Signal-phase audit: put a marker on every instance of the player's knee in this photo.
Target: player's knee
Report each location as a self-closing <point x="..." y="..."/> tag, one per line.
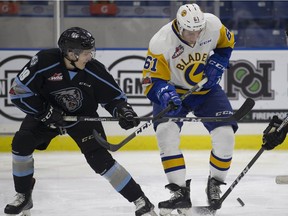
<point x="223" y="141"/>
<point x="23" y="143"/>
<point x="168" y="137"/>
<point x="100" y="160"/>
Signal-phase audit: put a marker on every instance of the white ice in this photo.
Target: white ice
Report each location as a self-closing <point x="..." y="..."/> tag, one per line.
<point x="66" y="185"/>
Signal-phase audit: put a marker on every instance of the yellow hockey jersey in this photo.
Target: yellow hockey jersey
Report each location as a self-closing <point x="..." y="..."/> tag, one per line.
<point x="172" y="59"/>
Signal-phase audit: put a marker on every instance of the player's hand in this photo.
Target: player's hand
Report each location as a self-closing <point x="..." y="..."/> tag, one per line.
<point x="128" y="117"/>
<point x="214" y="69"/>
<point x="170" y="97"/>
<point x="271" y="137"/>
<point x="52" y="116"/>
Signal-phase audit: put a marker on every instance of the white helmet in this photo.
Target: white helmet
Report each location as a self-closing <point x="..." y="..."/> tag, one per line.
<point x="190" y="17"/>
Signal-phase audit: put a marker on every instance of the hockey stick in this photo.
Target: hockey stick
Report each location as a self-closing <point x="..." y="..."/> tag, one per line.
<point x="163" y="119"/>
<point x="209" y="210"/>
<point x="238" y="115"/>
<point x="115" y="147"/>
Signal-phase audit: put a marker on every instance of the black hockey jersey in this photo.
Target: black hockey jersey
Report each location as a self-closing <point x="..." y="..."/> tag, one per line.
<point x="45" y="80"/>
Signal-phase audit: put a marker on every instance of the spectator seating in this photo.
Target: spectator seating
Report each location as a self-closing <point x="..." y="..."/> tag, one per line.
<point x="252" y="14"/>
<point x="280" y="14"/>
<point x="226" y="13"/>
<point x="158" y="3"/>
<point x="239" y="38"/>
<point x="261" y="38"/>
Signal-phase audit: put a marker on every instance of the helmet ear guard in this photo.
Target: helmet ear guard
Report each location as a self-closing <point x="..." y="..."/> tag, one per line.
<point x="191" y="18"/>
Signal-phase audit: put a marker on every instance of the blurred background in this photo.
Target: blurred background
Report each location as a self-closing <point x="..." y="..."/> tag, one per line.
<point x="118" y="24"/>
<point x="258" y="66"/>
<point x="122" y="29"/>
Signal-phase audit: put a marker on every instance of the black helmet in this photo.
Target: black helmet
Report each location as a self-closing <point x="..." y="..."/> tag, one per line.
<point x="76" y="38"/>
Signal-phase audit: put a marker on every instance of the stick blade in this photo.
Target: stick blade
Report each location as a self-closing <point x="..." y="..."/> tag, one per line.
<point x="244" y="109"/>
<point x="101" y="140"/>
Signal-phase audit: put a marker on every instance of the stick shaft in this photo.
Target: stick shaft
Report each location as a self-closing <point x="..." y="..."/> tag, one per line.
<point x="241" y="175"/>
<point x="115" y="147"/>
<point x="283" y="124"/>
<point x="238" y="115"/>
<point x="173" y="119"/>
<point x="250" y="164"/>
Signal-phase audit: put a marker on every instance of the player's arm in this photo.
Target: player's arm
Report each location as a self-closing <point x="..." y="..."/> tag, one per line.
<point x="156" y="76"/>
<point x="219" y="61"/>
<point x="25" y="94"/>
<point x="113" y="99"/>
<point x="24" y="91"/>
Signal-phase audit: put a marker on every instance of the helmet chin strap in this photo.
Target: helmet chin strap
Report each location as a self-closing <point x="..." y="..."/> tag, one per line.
<point x="72" y="62"/>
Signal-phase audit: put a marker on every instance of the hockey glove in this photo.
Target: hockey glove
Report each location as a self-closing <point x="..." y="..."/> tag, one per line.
<point x="214" y="69"/>
<point x="272" y="138"/>
<point x="168" y="95"/>
<point x="128" y="118"/>
<point x="52" y="116"/>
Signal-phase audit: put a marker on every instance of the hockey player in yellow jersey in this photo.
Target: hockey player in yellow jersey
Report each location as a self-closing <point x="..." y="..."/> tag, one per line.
<point x="192" y="46"/>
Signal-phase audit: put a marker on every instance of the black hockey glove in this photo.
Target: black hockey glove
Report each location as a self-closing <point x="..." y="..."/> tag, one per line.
<point x="272" y="138"/>
<point x="52" y="117"/>
<point x="127" y="116"/>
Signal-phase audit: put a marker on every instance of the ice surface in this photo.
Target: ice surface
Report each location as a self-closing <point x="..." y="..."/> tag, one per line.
<point x="66" y="185"/>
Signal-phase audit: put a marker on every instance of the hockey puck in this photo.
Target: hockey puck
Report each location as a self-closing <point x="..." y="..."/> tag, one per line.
<point x="281" y="179"/>
<point x="240" y="201"/>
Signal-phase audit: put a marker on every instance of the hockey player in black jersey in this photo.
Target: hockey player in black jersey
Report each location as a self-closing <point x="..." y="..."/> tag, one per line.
<point x="68" y="81"/>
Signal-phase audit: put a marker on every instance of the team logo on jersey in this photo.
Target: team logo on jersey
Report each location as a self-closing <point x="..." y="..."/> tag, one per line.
<point x="178" y="51"/>
<point x="34" y="60"/>
<point x="56" y="77"/>
<point x="70" y="98"/>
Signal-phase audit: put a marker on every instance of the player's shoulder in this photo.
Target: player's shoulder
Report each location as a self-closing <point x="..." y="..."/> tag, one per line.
<point x="213" y="23"/>
<point x="95" y="64"/>
<point x="159" y="43"/>
<point x="96" y="67"/>
<point x="46" y="58"/>
<point x="54" y="53"/>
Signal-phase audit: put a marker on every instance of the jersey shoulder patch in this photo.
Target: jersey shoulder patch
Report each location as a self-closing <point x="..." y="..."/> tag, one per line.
<point x="46" y="58"/>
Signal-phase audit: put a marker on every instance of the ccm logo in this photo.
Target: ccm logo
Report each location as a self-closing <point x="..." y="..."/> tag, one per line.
<point x="224" y="113"/>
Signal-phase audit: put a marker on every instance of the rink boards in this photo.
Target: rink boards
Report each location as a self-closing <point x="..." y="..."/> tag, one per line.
<point x="196" y="142"/>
